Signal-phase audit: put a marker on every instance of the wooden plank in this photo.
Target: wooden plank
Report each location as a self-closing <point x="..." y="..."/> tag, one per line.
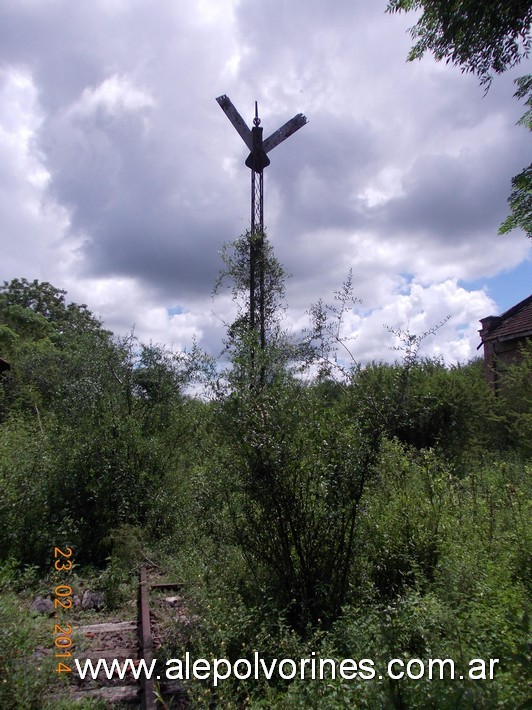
<point x="109" y="628"/>
<point x="236" y="119"/>
<point x="116" y="694"/>
<point x="108" y="654"/>
<point x="281" y="134"/>
<point x="149" y="699"/>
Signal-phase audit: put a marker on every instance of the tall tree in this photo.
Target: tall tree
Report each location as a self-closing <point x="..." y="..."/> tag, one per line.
<point x="480" y="37"/>
<point x="37" y="309"/>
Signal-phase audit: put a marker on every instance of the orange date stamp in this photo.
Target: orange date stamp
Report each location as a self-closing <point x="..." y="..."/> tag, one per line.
<point x="63" y="600"/>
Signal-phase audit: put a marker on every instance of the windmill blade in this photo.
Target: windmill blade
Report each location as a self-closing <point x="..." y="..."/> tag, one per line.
<point x="236" y="119"/>
<point x="291" y="126"/>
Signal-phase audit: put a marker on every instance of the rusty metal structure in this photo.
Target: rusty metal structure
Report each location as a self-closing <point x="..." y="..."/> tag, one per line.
<point x="137" y="640"/>
<point x="149" y="699"/>
<point x="256" y="161"/>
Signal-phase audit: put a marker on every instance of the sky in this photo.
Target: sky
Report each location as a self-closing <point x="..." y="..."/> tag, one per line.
<point x="121" y="178"/>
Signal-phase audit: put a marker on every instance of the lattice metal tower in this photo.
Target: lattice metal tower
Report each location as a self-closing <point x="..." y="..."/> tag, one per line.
<point x="256" y="162"/>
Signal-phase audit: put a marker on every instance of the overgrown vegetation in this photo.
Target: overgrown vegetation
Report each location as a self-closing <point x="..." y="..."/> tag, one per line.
<point x="313" y="506"/>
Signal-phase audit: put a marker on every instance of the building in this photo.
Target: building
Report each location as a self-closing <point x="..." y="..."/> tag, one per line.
<point x="4" y="365"/>
<point x="502" y="336"/>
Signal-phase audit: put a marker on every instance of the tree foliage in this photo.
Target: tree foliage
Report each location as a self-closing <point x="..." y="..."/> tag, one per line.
<point x="520" y="199"/>
<point x="85" y="415"/>
<point x="300" y="469"/>
<point x="38" y="309"/>
<point x="256" y="350"/>
<point x="480" y="37"/>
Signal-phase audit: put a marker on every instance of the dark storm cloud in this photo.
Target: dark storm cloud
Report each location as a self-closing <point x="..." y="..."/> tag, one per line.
<point x="451" y="198"/>
<point x="298" y="36"/>
<point x="318" y="173"/>
<point x="59" y="42"/>
<point x="141" y="217"/>
<point x="134" y="173"/>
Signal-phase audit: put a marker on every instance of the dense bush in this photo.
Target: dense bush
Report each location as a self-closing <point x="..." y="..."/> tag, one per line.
<point x="298" y="471"/>
<point x="91" y="424"/>
<point x="440" y="572"/>
<point x="430" y="405"/>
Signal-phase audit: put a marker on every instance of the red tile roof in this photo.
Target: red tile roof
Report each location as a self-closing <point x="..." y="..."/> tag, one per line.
<point x="516" y="322"/>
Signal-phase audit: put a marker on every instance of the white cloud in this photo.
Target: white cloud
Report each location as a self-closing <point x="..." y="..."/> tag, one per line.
<point x="32" y="228"/>
<point x="114" y="95"/>
<point x="419" y="311"/>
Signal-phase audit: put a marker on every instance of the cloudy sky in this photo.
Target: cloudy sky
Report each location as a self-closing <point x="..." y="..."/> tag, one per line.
<point x="121" y="178"/>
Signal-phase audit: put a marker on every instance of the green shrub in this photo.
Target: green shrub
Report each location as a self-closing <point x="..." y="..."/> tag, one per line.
<point x="299" y="470"/>
<point x="25" y="673"/>
<point x="429" y="405"/>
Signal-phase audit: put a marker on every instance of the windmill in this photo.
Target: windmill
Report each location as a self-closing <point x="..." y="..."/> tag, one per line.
<point x="256" y="162"/>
